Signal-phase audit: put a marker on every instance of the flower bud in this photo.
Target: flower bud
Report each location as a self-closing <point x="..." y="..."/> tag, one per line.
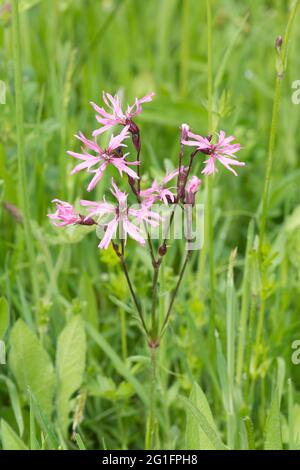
<point x="191" y="189"/>
<point x="184" y="128"/>
<point x="181" y="181"/>
<point x="278" y="43"/>
<point x="85" y="220"/>
<point x="280" y="67"/>
<point x="162" y="250"/>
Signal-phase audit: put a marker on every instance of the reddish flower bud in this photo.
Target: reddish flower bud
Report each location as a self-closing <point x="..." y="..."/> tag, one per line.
<point x="162" y="250"/>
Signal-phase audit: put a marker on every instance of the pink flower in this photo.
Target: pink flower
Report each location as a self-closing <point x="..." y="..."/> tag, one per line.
<point x="103" y="157"/>
<point x="184" y="130"/>
<point x="158" y="192"/>
<point x="119" y="218"/>
<point x="223" y="151"/>
<point x="191" y="189"/>
<point x="65" y="213"/>
<point x="116" y="115"/>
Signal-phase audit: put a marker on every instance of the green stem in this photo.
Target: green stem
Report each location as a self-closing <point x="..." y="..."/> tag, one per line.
<point x="154" y="300"/>
<point x="153" y="400"/>
<point x="209" y="201"/>
<point x="281" y="65"/>
<point x="266" y="191"/>
<point x="209" y="65"/>
<point x="133" y="294"/>
<point x="245" y="306"/>
<point x="184" y="49"/>
<point x="282" y="58"/>
<point x="22" y="178"/>
<point x="150" y="244"/>
<point x="169" y="311"/>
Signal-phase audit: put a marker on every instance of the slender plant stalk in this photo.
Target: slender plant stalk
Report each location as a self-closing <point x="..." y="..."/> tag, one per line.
<point x="150" y="245"/>
<point x="274" y="122"/>
<point x="184" y="49"/>
<point x="174" y="294"/>
<point x="137" y="192"/>
<point x="282" y="53"/>
<point x="153" y="399"/>
<point x="272" y="140"/>
<point x="230" y="350"/>
<point x="23" y="191"/>
<point x="133" y="294"/>
<point x="245" y="306"/>
<point x="209" y="235"/>
<point x="139" y="169"/>
<point x="154" y="320"/>
<point x="151" y="430"/>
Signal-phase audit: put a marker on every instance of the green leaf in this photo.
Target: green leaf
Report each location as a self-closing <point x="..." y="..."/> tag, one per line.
<point x="79" y="442"/>
<point x="201" y="431"/>
<point x="70" y="364"/>
<point x="31" y="365"/>
<point x="15" y="402"/>
<point x="34" y="444"/>
<point x="10" y="440"/>
<point x="4" y="317"/>
<point x="273" y="439"/>
<point x="43" y="422"/>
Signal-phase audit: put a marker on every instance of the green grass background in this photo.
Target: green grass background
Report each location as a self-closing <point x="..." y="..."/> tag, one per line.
<point x="99" y="375"/>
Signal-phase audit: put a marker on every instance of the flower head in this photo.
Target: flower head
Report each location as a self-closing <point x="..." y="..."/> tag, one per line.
<point x="191" y="189"/>
<point x="223" y="151"/>
<point x="65" y="213"/>
<point x="121" y="217"/>
<point x="158" y="192"/>
<point x="184" y="130"/>
<point x="115" y="114"/>
<point x="102" y="158"/>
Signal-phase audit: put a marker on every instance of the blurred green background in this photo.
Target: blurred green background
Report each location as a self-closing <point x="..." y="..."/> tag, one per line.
<point x="71" y="51"/>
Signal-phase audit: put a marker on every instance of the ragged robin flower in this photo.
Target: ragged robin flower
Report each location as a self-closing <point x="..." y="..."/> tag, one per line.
<point x="115" y="114"/>
<point x="112" y="155"/>
<point x="66" y="215"/>
<point x="122" y="218"/>
<point x="223" y="151"/>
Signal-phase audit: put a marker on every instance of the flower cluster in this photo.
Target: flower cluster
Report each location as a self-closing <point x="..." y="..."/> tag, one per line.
<point x="94" y="159"/>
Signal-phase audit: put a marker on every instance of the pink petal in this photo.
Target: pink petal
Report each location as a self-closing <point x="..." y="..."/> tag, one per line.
<point x="102" y="129"/>
<point x="210" y="166"/>
<point x="98" y="176"/>
<point x="133" y="231"/>
<point x="229" y="161"/>
<point x="116" y="141"/>
<point x="89" y="143"/>
<point x="109" y="234"/>
<point x="122" y="167"/>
